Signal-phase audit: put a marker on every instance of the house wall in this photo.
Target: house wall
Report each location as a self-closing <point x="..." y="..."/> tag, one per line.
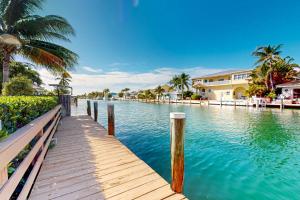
<point x="225" y="92"/>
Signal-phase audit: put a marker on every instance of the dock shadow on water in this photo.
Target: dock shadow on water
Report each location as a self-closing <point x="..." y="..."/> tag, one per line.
<point x="230" y="153"/>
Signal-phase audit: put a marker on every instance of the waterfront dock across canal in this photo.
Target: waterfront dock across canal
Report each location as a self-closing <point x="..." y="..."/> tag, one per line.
<point x="87" y="163"/>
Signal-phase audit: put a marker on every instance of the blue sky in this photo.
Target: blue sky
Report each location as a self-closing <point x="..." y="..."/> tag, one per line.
<point x="129" y="38"/>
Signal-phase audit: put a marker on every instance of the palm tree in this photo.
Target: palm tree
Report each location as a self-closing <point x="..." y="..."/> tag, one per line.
<point x="159" y="91"/>
<point x="267" y="56"/>
<point x="124" y="91"/>
<point x="105" y="92"/>
<point x="64" y="79"/>
<point x="31" y="36"/>
<point x="181" y="82"/>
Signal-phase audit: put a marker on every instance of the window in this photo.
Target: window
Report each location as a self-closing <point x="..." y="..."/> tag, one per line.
<point x="203" y="90"/>
<point x="228" y="93"/>
<point x="210" y="80"/>
<point x="205" y="81"/>
<point x="209" y="90"/>
<point x="240" y="76"/>
<point x="222" y="79"/>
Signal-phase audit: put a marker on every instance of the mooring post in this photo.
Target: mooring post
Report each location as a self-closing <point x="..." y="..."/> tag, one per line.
<point x="88" y="110"/>
<point x="95" y="111"/>
<point x="281" y="104"/>
<point x="76" y="101"/>
<point x="177" y="124"/>
<point x="257" y="103"/>
<point x="111" y="119"/>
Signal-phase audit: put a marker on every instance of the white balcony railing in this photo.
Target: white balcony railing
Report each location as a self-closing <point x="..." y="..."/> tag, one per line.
<point x="213" y="82"/>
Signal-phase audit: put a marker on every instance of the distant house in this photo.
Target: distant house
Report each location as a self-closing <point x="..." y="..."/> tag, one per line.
<point x="225" y="85"/>
<point x="290" y="90"/>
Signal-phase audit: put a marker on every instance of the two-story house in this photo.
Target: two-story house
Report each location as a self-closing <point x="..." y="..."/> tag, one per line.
<point x="225" y="85"/>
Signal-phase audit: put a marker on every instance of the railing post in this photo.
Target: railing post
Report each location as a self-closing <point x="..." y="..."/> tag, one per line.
<point x="111" y="119"/>
<point x="88" y="110"/>
<point x="177" y="124"/>
<point x="95" y="111"/>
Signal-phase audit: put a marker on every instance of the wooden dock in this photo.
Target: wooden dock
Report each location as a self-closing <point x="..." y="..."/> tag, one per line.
<point x="86" y="163"/>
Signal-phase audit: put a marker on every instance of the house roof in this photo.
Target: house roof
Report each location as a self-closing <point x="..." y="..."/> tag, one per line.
<point x="292" y="84"/>
<point x="223" y="73"/>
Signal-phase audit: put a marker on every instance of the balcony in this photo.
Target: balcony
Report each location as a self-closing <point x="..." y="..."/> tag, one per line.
<point x="224" y="82"/>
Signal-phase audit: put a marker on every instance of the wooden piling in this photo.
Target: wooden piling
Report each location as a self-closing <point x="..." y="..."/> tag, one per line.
<point x="111" y="119"/>
<point x="257" y="103"/>
<point x="95" y="111"/>
<point x="88" y="109"/>
<point x="177" y="124"/>
<point x="281" y="104"/>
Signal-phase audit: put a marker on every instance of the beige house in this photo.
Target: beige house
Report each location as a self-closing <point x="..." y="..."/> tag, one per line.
<point x="226" y="85"/>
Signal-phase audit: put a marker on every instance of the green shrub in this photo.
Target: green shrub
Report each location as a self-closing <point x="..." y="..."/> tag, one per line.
<point x="196" y="97"/>
<point x="17" y="86"/>
<point x="18" y="111"/>
<point x="272" y="95"/>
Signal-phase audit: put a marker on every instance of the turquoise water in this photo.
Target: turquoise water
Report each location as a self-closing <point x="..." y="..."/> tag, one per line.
<point x="235" y="154"/>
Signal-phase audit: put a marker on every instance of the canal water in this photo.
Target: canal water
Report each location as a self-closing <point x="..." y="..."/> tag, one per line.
<point x="230" y="153"/>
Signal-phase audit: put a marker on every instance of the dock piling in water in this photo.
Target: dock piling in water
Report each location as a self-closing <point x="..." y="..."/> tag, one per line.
<point x="88" y="110"/>
<point x="95" y="111"/>
<point x="281" y="104"/>
<point x="177" y="124"/>
<point x="111" y="119"/>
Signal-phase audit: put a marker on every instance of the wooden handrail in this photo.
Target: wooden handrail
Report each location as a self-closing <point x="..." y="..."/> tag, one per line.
<point x="13" y="145"/>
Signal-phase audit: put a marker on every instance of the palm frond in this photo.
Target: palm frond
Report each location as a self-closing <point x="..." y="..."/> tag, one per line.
<point x="46" y="28"/>
<point x="18" y="9"/>
<point x="69" y="58"/>
<point x="43" y="58"/>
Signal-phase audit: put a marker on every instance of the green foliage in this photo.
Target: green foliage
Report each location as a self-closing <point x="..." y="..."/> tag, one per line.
<point x="18" y="111"/>
<point x="94" y="95"/>
<point x="272" y="95"/>
<point x="32" y="35"/>
<point x="120" y="94"/>
<point x="188" y="93"/>
<point x="257" y="90"/>
<point x="271" y="71"/>
<point x="24" y="69"/>
<point x="195" y="97"/>
<point x="180" y="82"/>
<point x="18" y="86"/>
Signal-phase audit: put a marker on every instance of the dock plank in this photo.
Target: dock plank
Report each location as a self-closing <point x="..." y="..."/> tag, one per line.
<point x="86" y="163"/>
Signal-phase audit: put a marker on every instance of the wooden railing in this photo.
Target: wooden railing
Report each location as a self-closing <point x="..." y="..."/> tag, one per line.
<point x="40" y="130"/>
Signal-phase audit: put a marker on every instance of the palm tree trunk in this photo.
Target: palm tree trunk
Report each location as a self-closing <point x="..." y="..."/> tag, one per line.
<point x="271" y="81"/>
<point x="6" y="61"/>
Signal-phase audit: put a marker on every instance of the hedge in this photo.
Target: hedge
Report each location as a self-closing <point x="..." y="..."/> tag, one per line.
<point x="18" y="111"/>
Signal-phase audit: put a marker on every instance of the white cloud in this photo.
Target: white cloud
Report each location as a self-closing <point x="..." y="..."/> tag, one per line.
<point x="115" y="81"/>
<point x="90" y="69"/>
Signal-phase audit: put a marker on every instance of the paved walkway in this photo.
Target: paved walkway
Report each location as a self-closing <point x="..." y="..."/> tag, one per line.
<point x="88" y="164"/>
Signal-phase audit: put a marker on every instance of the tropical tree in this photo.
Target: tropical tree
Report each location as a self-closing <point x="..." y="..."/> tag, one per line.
<point x="106" y="92"/>
<point x="125" y="91"/>
<point x="284" y="70"/>
<point x="64" y="79"/>
<point x="18" y="86"/>
<point x="24" y="69"/>
<point x="181" y="82"/>
<point x="159" y="91"/>
<point x="31" y="36"/>
<point x="267" y="57"/>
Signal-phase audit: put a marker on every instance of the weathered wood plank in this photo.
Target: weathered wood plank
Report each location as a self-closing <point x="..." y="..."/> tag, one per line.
<point x="88" y="164"/>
